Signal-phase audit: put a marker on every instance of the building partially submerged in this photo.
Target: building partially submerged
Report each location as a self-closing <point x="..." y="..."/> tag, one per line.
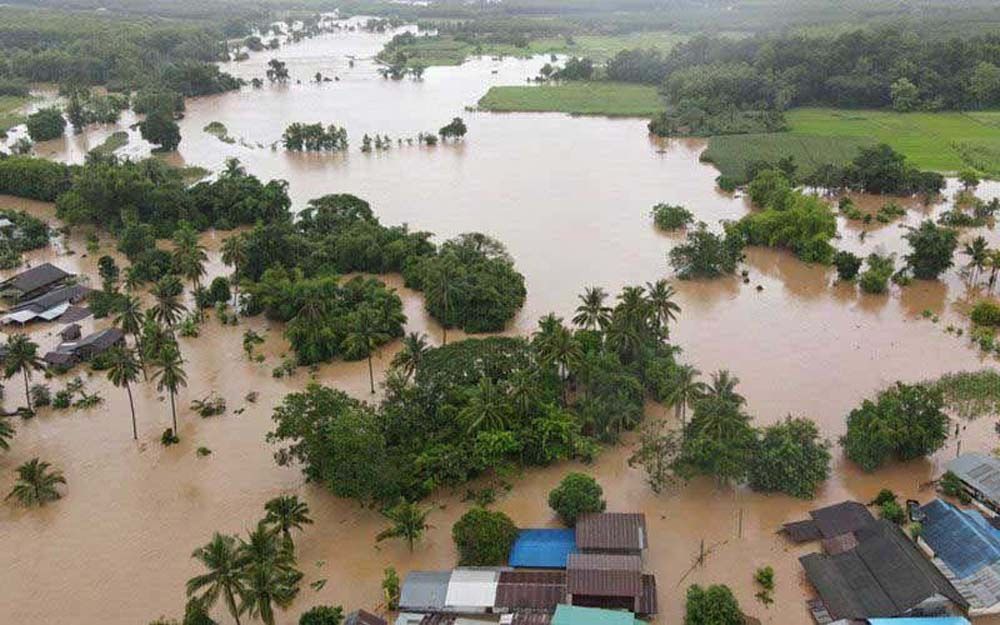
<point x="71" y="353"/>
<point x="622" y="533"/>
<point x="884" y="574"/>
<point x="48" y="306"/>
<point x="542" y="548"/>
<point x="980" y="475"/>
<point x="965" y="546"/>
<point x="363" y="617"/>
<point x="33" y="282"/>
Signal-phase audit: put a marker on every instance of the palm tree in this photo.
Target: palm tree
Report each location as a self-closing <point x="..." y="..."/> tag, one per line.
<point x="978" y="252"/>
<point x="556" y="346"/>
<point x="129" y="320"/>
<point x="630" y="323"/>
<point x="441" y="283"/>
<point x="408" y="360"/>
<point x="169" y="375"/>
<point x="994" y="263"/>
<point x="269" y="573"/>
<point x="224" y="577"/>
<point x="189" y="254"/>
<point x="7" y="432"/>
<point x="409" y="522"/>
<point x="22" y="357"/>
<point x="592" y="314"/>
<point x="123" y="371"/>
<point x="363" y="338"/>
<point x="523" y="389"/>
<point x="168" y="307"/>
<point x="665" y="309"/>
<point x="686" y="389"/>
<point x="36" y="485"/>
<point x="234" y="254"/>
<point x="486" y="407"/>
<point x="287" y="512"/>
<point x="723" y="387"/>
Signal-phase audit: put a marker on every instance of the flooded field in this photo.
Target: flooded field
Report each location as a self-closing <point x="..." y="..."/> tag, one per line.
<point x="570" y="198"/>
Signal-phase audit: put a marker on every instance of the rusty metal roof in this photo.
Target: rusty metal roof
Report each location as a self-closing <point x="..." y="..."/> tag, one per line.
<point x="647" y="602"/>
<point x="531" y="590"/>
<point x="604" y="575"/>
<point x="617" y="531"/>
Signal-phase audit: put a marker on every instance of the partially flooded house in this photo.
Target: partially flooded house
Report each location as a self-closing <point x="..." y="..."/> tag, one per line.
<point x="70" y="353"/>
<point x="980" y="475"/>
<point x="33" y="282"/>
<point x="870" y="569"/>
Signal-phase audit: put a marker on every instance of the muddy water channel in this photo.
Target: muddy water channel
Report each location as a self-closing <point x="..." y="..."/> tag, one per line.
<point x="570" y="198"/>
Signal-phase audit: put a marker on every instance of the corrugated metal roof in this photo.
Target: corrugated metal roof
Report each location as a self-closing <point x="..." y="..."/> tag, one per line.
<point x="531" y="590"/>
<point x="472" y="588"/>
<point x="363" y="617"/>
<point x="424" y="591"/>
<point x="604" y="575"/>
<point x="842" y="518"/>
<point x="962" y="538"/>
<point x="979" y="471"/>
<point x="35" y="278"/>
<point x="616" y="531"/>
<point x="542" y="548"/>
<point x="647" y="602"/>
<point x="938" y="620"/>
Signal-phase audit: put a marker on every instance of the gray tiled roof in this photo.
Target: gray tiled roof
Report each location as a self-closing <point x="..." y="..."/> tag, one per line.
<point x="979" y="471"/>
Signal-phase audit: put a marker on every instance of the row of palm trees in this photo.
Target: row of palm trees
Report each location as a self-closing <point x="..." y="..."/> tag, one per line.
<point x="253" y="575"/>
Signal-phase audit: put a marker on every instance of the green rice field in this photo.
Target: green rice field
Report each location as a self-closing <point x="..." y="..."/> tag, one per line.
<point x="578" y="98"/>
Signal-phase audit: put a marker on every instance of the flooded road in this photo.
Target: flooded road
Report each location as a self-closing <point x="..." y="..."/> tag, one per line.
<point x="570" y="198"/>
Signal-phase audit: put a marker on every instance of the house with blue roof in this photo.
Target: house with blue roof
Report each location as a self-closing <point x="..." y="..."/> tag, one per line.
<point x="965" y="547"/>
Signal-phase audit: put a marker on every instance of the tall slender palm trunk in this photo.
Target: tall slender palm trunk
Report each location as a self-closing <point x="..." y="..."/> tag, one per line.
<point x="131" y="404"/>
<point x="27" y="391"/>
<point x="173" y="411"/>
<point x="371" y="373"/>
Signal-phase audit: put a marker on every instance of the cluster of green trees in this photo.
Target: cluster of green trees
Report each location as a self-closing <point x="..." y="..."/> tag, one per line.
<point x="85" y="107"/>
<point x="46" y="124"/>
<point x="932" y="250"/>
<point x="720" y="441"/>
<point x="903" y="422"/>
<point x="478" y="406"/>
<point x="722" y="85"/>
<point x="314" y="138"/>
<point x="706" y="254"/>
<point x="126" y="196"/>
<point x="252" y="575"/>
<point x="27" y="233"/>
<point x="120" y="51"/>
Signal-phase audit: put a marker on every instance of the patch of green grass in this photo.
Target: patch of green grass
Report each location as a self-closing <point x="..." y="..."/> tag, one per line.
<point x="731" y="154"/>
<point x="114" y="141"/>
<point x="945" y="142"/>
<point x="10" y="111"/>
<point x="578" y="98"/>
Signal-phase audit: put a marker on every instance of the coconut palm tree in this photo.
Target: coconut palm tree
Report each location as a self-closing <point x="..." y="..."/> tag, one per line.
<point x="409" y="522"/>
<point x="556" y="346"/>
<point x="665" y="310"/>
<point x="168" y="307"/>
<point x="723" y="386"/>
<point x="7" y="432"/>
<point x="686" y="390"/>
<point x="169" y="375"/>
<point x="363" y="337"/>
<point x="189" y="254"/>
<point x="269" y="573"/>
<point x="36" y="485"/>
<point x="234" y="254"/>
<point x="993" y="261"/>
<point x="129" y="320"/>
<point x="592" y="314"/>
<point x="978" y="253"/>
<point x="441" y="283"/>
<point x="487" y="407"/>
<point x="124" y="370"/>
<point x="22" y="357"/>
<point x="287" y="513"/>
<point x="408" y="360"/>
<point x="523" y="389"/>
<point x="224" y="577"/>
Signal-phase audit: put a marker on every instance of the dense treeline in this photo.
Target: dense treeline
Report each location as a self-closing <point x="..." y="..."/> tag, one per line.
<point x="486" y="405"/>
<point x="469" y="282"/>
<point x="120" y="52"/>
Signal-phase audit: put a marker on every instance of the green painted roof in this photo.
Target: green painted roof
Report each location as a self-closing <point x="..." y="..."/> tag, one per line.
<point x="574" y="615"/>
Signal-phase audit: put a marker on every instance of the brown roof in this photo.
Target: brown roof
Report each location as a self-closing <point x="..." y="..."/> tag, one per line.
<point x="611" y="530"/>
<point x="363" y="617"/>
<point x="604" y="575"/>
<point x="839" y="544"/>
<point x="438" y="618"/>
<point x="647" y="602"/>
<point x="531" y="618"/>
<point x="531" y="590"/>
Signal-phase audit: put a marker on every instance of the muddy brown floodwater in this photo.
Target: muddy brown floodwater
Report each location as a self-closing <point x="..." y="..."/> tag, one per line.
<point x="570" y="198"/>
